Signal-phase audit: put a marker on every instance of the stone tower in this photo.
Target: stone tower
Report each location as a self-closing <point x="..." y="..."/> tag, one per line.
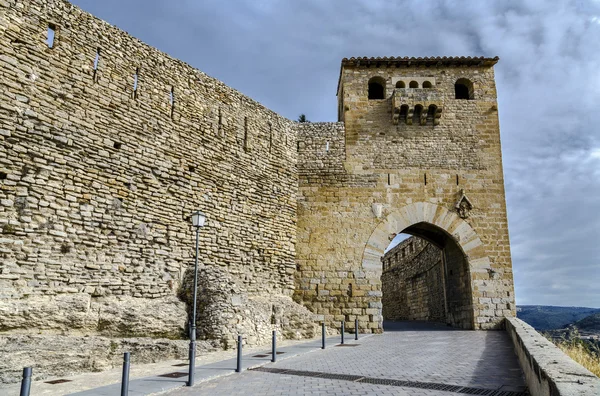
<point x="417" y="150"/>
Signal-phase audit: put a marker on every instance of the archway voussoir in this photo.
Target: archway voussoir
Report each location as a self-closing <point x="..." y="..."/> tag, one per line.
<point x="371" y="264"/>
<point x="380" y="238"/>
<point x="480" y="263"/>
<point x="463" y="233"/>
<point x="444" y="218"/>
<point x="418" y="211"/>
<point x="397" y="223"/>
<point x="373" y="251"/>
<point x="409" y="213"/>
<point x="429" y="212"/>
<point x="469" y="246"/>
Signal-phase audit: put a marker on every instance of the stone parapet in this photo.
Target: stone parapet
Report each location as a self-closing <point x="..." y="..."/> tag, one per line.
<point x="548" y="371"/>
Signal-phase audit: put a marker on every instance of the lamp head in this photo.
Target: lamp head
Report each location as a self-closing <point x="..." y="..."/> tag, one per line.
<point x="198" y="219"/>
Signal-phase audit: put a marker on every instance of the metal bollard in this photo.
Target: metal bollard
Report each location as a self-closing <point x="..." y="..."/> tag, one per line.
<point x="274" y="347"/>
<point x="239" y="357"/>
<point x="356" y="329"/>
<point x="125" y="380"/>
<point x="26" y="382"/>
<point x="342" y="331"/>
<point x="323" y="335"/>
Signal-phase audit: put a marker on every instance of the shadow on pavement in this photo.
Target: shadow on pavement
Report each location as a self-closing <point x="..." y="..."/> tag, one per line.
<point x="415" y="325"/>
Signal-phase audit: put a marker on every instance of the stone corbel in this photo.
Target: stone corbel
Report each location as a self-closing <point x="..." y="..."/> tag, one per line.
<point x="377" y="209"/>
<point x="437" y="115"/>
<point x="409" y="116"/>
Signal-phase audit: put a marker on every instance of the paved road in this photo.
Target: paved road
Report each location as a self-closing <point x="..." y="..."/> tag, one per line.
<point x="416" y="354"/>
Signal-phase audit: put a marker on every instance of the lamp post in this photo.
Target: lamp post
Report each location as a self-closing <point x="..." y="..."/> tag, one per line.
<point x="198" y="219"/>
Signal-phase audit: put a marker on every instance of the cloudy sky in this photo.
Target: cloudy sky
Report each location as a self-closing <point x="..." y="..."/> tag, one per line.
<point x="286" y="54"/>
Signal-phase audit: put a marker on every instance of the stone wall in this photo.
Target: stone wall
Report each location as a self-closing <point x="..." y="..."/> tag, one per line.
<point x="107" y="146"/>
<point x="390" y="176"/>
<point x="412" y="282"/>
<point x="548" y="370"/>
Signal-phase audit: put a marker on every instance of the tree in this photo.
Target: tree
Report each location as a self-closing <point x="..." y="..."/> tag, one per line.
<point x="302" y="118"/>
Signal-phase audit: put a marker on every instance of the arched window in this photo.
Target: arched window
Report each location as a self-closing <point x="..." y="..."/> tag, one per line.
<point x="413" y="84"/>
<point x="426" y="84"/>
<point x="376" y="88"/>
<point x="417" y="114"/>
<point x="400" y="84"/>
<point x="431" y="114"/>
<point x="463" y="89"/>
<point x="403" y="112"/>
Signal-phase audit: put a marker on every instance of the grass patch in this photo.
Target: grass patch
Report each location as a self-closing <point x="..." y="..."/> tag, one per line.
<point x="580" y="351"/>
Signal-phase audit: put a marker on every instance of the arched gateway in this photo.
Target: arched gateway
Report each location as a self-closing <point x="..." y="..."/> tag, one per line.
<point x="420" y="161"/>
<point x="460" y="246"/>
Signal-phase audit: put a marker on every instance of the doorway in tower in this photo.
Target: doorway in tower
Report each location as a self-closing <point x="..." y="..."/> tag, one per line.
<point x="425" y="279"/>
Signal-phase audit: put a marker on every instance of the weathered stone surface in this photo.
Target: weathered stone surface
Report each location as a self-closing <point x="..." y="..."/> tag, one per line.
<point x="58" y="355"/>
<point x="98" y="179"/>
<point x="226" y="310"/>
<point x="107" y="316"/>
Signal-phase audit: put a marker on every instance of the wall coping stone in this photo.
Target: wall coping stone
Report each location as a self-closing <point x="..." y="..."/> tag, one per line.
<point x="549" y="371"/>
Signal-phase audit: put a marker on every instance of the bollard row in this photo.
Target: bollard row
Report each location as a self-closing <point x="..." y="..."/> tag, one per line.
<point x="27" y="371"/>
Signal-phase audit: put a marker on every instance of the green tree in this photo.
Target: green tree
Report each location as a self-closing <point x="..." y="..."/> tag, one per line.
<point x="302" y="118"/>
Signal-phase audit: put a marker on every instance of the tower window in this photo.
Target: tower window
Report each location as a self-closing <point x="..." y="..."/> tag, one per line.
<point x="463" y="89"/>
<point x="417" y="114"/>
<point x="431" y="113"/>
<point x="376" y="88"/>
<point x="51" y="35"/>
<point x="413" y="84"/>
<point x="403" y="112"/>
<point x="426" y="84"/>
<point x="400" y="84"/>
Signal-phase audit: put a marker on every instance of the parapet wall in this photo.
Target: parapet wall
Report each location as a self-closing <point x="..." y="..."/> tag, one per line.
<point x="548" y="371"/>
<point x="412" y="282"/>
<point x="107" y="146"/>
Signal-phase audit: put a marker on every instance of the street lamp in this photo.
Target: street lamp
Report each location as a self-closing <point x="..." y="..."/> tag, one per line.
<point x="198" y="219"/>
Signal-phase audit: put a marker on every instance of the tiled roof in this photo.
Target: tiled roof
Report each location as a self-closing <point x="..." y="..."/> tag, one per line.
<point x="426" y="61"/>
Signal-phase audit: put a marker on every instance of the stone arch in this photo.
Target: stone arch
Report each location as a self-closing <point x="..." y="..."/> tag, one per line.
<point x="449" y="232"/>
<point x="376" y="88"/>
<point x="463" y="89"/>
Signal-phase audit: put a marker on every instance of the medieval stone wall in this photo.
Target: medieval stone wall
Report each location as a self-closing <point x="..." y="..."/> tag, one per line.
<point x="407" y="176"/>
<point x="107" y="146"/>
<point x="412" y="282"/>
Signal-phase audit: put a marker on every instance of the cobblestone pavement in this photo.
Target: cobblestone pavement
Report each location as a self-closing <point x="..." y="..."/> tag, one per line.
<point x="407" y="351"/>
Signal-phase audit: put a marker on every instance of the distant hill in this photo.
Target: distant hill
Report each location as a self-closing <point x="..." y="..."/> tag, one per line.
<point x="589" y="323"/>
<point x="545" y="317"/>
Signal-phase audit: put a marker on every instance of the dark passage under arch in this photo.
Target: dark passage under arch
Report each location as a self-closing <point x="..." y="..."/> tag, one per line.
<point x="426" y="277"/>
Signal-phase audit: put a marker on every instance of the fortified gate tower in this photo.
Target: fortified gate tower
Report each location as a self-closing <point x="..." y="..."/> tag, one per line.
<point x="417" y="150"/>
